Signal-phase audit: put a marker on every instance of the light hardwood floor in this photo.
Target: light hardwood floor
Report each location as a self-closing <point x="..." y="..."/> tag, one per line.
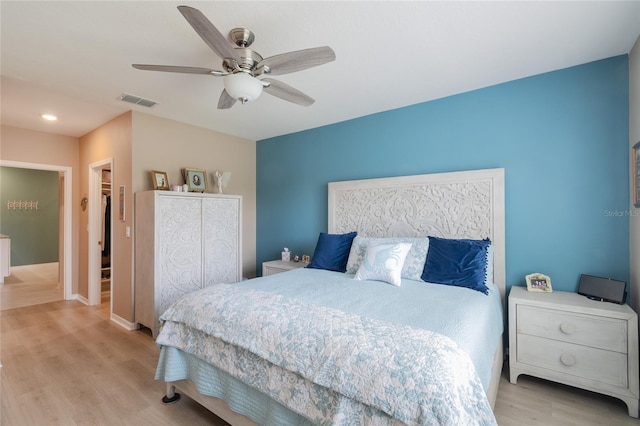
<point x="31" y="285"/>
<point x="65" y="363"/>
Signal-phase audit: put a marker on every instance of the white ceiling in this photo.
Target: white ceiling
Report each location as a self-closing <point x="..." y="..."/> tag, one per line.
<point x="73" y="59"/>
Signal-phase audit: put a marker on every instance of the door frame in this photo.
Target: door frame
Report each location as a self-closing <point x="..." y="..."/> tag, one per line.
<point x="67" y="257"/>
<point x="94" y="267"/>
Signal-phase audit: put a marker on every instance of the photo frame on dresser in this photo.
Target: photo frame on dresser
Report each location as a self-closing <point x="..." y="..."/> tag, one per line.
<point x="160" y="180"/>
<point x="196" y="179"/>
<point x="635" y="156"/>
<point x="539" y="282"/>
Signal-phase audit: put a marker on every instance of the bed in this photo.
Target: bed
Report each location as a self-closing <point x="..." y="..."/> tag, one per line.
<point x="370" y="345"/>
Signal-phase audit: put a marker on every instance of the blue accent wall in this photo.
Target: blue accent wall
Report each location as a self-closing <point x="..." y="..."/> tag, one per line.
<point x="562" y="138"/>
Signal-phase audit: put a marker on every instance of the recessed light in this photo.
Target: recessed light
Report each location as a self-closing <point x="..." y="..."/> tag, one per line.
<point x="49" y="117"/>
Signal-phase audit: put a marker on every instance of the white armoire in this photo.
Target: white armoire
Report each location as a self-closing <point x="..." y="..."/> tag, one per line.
<point x="184" y="241"/>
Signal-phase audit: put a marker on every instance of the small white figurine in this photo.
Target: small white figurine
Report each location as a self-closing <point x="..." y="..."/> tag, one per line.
<point x="222" y="180"/>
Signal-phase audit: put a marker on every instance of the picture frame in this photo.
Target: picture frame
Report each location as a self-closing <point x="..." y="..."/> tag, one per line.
<point x="539" y="282"/>
<point x="196" y="179"/>
<point x="160" y="180"/>
<point x="635" y="152"/>
<point x="121" y="206"/>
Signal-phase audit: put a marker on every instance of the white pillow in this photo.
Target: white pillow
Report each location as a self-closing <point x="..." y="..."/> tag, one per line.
<point x="413" y="264"/>
<point x="383" y="262"/>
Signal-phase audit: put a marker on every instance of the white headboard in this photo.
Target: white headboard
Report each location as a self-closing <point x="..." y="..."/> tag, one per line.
<point x="466" y="204"/>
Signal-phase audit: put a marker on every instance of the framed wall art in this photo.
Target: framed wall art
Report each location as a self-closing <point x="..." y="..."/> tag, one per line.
<point x="121" y="206"/>
<point x="159" y="179"/>
<point x="635" y="156"/>
<point x="196" y="179"/>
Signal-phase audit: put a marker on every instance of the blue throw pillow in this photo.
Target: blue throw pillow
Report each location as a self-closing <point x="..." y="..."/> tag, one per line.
<point x="460" y="263"/>
<point x="332" y="251"/>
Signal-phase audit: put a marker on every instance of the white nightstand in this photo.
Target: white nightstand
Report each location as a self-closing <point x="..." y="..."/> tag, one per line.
<point x="567" y="338"/>
<point x="277" y="266"/>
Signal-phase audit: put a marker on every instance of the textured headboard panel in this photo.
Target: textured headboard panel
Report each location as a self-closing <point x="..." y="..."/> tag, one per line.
<point x="466" y="204"/>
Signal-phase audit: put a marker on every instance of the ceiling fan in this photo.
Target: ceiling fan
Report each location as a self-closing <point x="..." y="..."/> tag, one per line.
<point x="242" y="66"/>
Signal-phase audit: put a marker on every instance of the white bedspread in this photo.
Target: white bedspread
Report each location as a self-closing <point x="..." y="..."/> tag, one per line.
<point x="332" y="366"/>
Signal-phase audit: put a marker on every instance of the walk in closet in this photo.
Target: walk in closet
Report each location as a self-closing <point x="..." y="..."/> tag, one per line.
<point x="105" y="238"/>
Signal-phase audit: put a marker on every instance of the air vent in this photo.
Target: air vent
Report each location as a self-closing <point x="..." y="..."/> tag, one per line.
<point x="132" y="99"/>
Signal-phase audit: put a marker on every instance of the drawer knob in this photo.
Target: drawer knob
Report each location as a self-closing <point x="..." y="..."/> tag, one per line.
<point x="567" y="359"/>
<point x="567" y="328"/>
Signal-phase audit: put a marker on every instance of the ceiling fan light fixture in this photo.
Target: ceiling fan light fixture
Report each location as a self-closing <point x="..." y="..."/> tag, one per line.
<point x="242" y="66"/>
<point x="243" y="87"/>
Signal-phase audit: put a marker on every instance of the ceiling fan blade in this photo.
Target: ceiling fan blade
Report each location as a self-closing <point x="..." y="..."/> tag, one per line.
<point x="209" y="33"/>
<point x="286" y="92"/>
<point x="173" y="68"/>
<point x="225" y="101"/>
<point x="298" y="60"/>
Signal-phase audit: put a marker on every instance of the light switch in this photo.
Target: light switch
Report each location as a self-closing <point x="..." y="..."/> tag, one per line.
<point x="128" y="231"/>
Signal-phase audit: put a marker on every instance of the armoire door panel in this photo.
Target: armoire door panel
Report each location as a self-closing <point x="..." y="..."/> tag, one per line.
<point x="184" y="242"/>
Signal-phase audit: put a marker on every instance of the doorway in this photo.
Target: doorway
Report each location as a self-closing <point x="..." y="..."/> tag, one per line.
<point x="100" y="232"/>
<point x="30" y="285"/>
<point x="65" y="261"/>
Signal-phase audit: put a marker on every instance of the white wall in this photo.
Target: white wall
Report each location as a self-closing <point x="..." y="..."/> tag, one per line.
<point x="170" y="146"/>
<point x="634" y="137"/>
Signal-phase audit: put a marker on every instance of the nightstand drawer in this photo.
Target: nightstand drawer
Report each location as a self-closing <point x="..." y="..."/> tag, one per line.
<point x="277" y="266"/>
<point x="587" y="330"/>
<point x="272" y="270"/>
<point x="587" y="363"/>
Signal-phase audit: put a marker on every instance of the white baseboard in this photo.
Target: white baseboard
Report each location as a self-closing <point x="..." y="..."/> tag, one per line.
<point x="123" y="323"/>
<point x="115" y="318"/>
<point x="80" y="298"/>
